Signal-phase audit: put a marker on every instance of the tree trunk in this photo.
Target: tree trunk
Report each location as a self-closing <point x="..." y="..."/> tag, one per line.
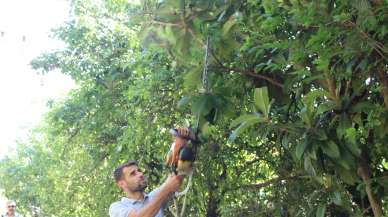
<point x="383" y="77"/>
<point x="365" y="173"/>
<point x="212" y="205"/>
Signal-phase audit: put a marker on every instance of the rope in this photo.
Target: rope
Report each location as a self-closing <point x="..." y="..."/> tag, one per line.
<point x="178" y="194"/>
<point x="205" y="86"/>
<point x="205" y="81"/>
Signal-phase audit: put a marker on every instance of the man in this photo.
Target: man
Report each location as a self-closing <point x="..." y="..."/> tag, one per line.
<point x="11" y="210"/>
<point x="130" y="179"/>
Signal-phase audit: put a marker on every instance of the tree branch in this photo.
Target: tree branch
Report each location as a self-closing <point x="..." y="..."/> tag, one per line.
<point x="164" y="23"/>
<point x="267" y="183"/>
<point x="384" y="83"/>
<point x="376" y="45"/>
<point x="365" y="173"/>
<point x="248" y="73"/>
<point x="244" y="72"/>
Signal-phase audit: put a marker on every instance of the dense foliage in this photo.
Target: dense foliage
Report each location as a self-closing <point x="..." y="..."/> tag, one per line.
<point x="290" y="98"/>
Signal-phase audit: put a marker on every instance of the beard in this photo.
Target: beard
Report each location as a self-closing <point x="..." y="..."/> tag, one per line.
<point x="140" y="187"/>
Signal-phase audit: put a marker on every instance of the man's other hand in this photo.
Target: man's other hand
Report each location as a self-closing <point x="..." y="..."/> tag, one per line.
<point x="184" y="132"/>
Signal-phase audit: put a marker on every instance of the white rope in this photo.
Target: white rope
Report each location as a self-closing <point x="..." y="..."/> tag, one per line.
<point x="178" y="194"/>
<point x="205" y="85"/>
<point x="205" y="81"/>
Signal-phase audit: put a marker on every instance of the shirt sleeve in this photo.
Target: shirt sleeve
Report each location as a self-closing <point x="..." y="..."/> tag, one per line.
<point x="118" y="210"/>
<point x="153" y="193"/>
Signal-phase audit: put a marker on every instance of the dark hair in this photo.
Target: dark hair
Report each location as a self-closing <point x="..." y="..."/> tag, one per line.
<point x="118" y="172"/>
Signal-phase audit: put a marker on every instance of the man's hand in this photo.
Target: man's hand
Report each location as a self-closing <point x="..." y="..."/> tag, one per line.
<point x="172" y="183"/>
<point x="184" y="132"/>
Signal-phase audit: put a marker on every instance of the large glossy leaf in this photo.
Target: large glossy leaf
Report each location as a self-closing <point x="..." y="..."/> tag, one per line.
<point x="327" y="106"/>
<point x="346" y="175"/>
<point x="245" y="122"/>
<point x="310" y="97"/>
<point x="331" y="149"/>
<point x="351" y="143"/>
<point x="261" y="100"/>
<point x="308" y="166"/>
<point x="227" y="27"/>
<point x="202" y="104"/>
<point x="245" y="118"/>
<point x="235" y="133"/>
<point x="300" y="149"/>
<point x="336" y="198"/>
<point x="343" y="125"/>
<point x="321" y="210"/>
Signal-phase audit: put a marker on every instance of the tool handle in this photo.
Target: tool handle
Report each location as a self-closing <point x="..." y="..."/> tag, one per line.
<point x="191" y="136"/>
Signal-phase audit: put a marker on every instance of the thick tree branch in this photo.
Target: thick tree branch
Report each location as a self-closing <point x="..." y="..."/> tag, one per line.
<point x="376" y="45"/>
<point x="160" y="23"/>
<point x="332" y="88"/>
<point x="244" y="72"/>
<point x="267" y="183"/>
<point x="383" y="76"/>
<point x="365" y="173"/>
<point x="248" y="73"/>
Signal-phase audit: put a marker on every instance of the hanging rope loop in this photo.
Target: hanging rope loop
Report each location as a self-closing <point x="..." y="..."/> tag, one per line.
<point x="205" y="80"/>
<point x="205" y="89"/>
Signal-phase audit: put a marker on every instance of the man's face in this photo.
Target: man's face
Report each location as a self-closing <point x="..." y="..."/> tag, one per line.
<point x="11" y="208"/>
<point x="132" y="180"/>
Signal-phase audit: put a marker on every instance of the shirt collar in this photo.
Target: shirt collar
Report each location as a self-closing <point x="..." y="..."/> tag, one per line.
<point x="133" y="201"/>
<point x="17" y="214"/>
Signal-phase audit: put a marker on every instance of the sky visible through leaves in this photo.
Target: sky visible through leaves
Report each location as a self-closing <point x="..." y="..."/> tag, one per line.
<point x="24" y="33"/>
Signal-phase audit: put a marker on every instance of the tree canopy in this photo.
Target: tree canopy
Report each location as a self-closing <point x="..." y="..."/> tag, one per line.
<point x="290" y="98"/>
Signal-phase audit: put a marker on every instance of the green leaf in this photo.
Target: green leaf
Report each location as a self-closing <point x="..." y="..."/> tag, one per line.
<point x="269" y="6"/>
<point x="349" y="158"/>
<point x="305" y="115"/>
<point x="246" y="122"/>
<point x="243" y="126"/>
<point x="343" y="125"/>
<point x="245" y="118"/>
<point x="170" y="35"/>
<point x="202" y="104"/>
<point x="192" y="79"/>
<point x="309" y="98"/>
<point x="227" y="27"/>
<point x="350" y="135"/>
<point x="346" y="175"/>
<point x="343" y="163"/>
<point x="351" y="143"/>
<point x="383" y="181"/>
<point x="327" y="106"/>
<point x="322" y="135"/>
<point x="362" y="107"/>
<point x="310" y="79"/>
<point x="183" y="102"/>
<point x="331" y="149"/>
<point x="321" y="210"/>
<point x="308" y="166"/>
<point x="300" y="148"/>
<point x="261" y="100"/>
<point x="336" y="198"/>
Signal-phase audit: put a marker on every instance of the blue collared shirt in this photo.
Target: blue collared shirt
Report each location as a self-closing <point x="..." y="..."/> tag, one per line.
<point x="126" y="205"/>
<point x="16" y="215"/>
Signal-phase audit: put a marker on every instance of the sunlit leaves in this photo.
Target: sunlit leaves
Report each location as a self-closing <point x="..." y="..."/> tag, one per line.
<point x="261" y="100"/>
<point x="293" y="93"/>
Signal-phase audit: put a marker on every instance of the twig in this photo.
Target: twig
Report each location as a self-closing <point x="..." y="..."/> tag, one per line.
<point x="164" y="23"/>
<point x="268" y="183"/>
<point x="252" y="74"/>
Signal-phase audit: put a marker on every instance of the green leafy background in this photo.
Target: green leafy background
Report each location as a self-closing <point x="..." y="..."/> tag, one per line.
<point x="294" y="123"/>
